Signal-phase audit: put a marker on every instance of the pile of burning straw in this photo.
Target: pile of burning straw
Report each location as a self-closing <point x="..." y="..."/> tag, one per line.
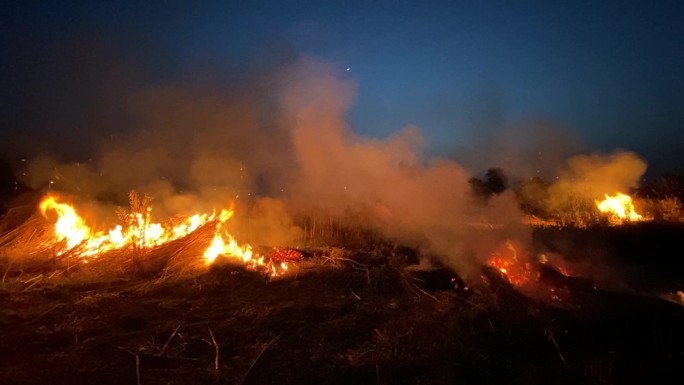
<point x="57" y="235"/>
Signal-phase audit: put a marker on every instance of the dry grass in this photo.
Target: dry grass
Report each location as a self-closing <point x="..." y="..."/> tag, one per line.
<point x="666" y="210"/>
<point x="350" y="229"/>
<point x="30" y="259"/>
<point x="345" y="315"/>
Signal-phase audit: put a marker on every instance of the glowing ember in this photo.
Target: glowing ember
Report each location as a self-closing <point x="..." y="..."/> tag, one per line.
<point x="512" y="266"/>
<point x="139" y="233"/>
<point x="620" y="208"/>
<point x="286" y="255"/>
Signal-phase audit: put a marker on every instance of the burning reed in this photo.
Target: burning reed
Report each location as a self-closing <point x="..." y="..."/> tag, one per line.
<point x="59" y="238"/>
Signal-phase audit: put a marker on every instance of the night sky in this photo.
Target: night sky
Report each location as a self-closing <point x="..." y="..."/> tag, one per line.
<point x="611" y="73"/>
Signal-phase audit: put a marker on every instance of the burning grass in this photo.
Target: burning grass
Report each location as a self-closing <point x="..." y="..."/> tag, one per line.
<point x="366" y="314"/>
<point x="138" y="244"/>
<point x="610" y="210"/>
<point x="346" y="315"/>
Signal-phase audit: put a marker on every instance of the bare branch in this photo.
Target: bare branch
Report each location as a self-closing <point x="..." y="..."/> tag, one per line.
<point x="169" y="340"/>
<point x="268" y="345"/>
<point x="137" y="363"/>
<point x="216" y="346"/>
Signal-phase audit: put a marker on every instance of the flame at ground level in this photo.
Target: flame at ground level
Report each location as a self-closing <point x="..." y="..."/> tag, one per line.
<point x="71" y="234"/>
<point x="69" y="226"/>
<point x="524" y="273"/>
<point x="620" y="208"/>
<point x="513" y="265"/>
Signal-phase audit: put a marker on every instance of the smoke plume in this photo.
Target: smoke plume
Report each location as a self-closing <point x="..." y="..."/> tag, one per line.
<point x="589" y="177"/>
<point x="279" y="147"/>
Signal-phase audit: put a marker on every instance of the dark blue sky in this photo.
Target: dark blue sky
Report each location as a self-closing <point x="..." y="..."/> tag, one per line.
<point x="611" y="72"/>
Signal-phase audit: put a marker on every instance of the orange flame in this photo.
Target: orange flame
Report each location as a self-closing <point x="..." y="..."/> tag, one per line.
<point x="619" y="208"/>
<point x="141" y="233"/>
<point x="512" y="266"/>
<point x="69" y="226"/>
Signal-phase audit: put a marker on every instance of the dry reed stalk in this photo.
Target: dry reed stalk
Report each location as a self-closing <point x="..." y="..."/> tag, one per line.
<point x="137" y="363"/>
<point x="166" y="345"/>
<point x="268" y="345"/>
<point x="6" y="271"/>
<point x="216" y="347"/>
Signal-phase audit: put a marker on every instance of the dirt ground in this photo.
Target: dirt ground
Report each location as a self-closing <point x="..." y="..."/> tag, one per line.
<point x="334" y="321"/>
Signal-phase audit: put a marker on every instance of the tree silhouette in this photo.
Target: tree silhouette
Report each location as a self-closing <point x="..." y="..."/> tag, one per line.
<point x="495" y="182"/>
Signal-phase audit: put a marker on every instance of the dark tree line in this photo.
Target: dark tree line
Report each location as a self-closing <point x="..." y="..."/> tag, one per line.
<point x="494" y="182"/>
